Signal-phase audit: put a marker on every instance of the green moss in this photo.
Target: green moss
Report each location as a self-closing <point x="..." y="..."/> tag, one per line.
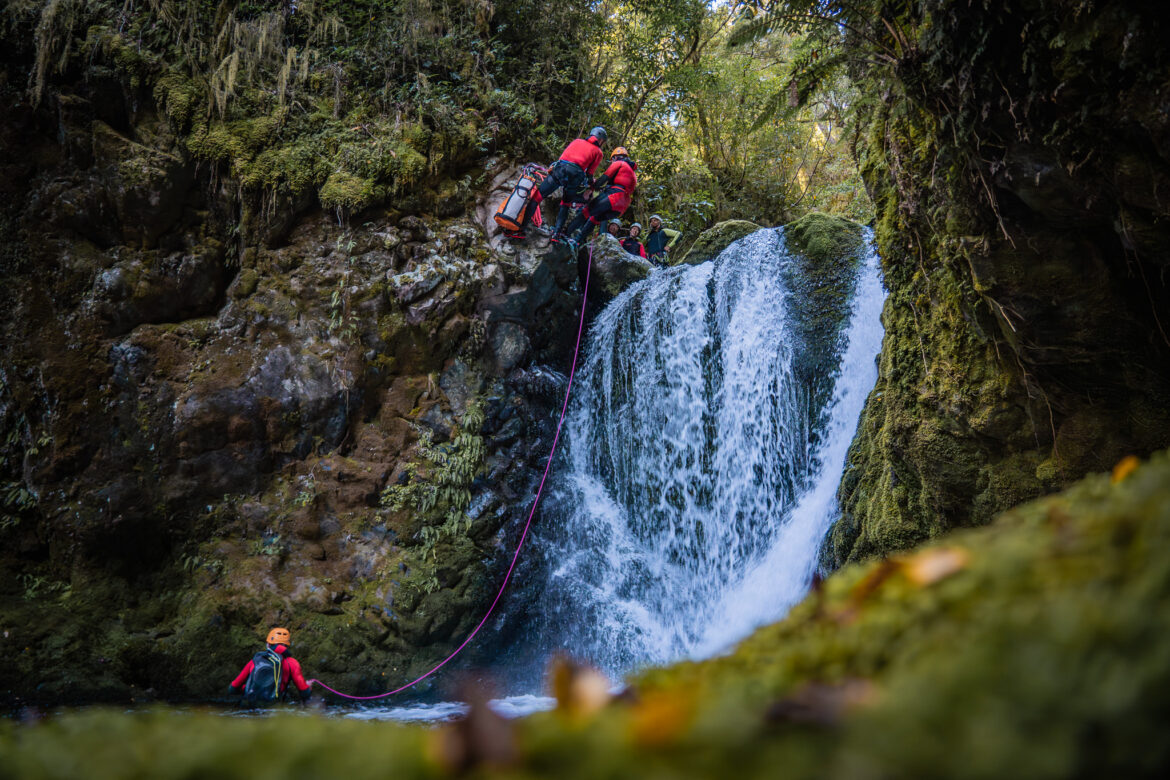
<point x="180" y="98"/>
<point x="345" y="190"/>
<point x="714" y="240"/>
<point x="233" y="142"/>
<point x="823" y="238"/>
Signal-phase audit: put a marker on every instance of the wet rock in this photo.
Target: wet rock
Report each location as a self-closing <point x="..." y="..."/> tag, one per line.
<point x="509" y="344"/>
<point x="460" y="383"/>
<point x="614" y="269"/>
<point x="147" y="186"/>
<point x="149" y="288"/>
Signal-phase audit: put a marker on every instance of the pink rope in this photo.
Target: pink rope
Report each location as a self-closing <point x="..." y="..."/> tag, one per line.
<point x="527" y="525"/>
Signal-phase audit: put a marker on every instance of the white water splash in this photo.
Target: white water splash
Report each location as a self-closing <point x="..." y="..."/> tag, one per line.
<point x="508" y="707"/>
<point x="692" y="501"/>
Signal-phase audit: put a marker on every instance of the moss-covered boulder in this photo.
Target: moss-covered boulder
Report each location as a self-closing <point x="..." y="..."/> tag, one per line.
<point x="714" y="240"/>
<point x="1036" y="647"/>
<point x="613" y="269"/>
<point x="825" y="255"/>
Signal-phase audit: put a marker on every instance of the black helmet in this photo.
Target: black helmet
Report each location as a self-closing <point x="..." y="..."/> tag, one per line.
<point x="599" y="133"/>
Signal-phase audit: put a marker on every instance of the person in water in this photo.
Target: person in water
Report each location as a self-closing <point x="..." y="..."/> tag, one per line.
<point x="264" y="679"/>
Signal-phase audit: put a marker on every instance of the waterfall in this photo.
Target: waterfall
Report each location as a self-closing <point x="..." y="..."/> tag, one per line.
<point x="705" y="442"/>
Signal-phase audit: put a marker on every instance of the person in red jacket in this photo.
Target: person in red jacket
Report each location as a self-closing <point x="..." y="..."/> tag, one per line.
<point x="616" y="188"/>
<point x="265" y="678"/>
<point x="573" y="173"/>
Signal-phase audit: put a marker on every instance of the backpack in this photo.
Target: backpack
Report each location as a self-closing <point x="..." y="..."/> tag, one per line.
<point x="510" y="214"/>
<point x="264" y="683"/>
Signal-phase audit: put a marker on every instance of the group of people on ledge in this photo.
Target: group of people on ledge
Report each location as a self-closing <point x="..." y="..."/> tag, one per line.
<point x="659" y="241"/>
<point x="573" y="174"/>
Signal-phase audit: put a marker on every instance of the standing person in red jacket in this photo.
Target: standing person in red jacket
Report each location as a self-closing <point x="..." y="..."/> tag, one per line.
<point x="616" y="187"/>
<point x="265" y="678"/>
<point x="574" y="173"/>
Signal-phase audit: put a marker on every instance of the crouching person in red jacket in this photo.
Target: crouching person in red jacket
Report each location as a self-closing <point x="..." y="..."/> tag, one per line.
<point x="264" y="679"/>
<point x="573" y="173"/>
<point x="616" y="188"/>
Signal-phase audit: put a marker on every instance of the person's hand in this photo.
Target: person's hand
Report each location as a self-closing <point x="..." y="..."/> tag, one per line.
<point x="233" y="691"/>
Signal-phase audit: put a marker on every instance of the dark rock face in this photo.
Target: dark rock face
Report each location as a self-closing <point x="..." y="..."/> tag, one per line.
<point x="333" y="427"/>
<point x="1025" y="245"/>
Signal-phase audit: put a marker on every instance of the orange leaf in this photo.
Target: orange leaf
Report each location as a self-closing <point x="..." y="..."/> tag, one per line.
<point x="930" y="566"/>
<point x="580" y="690"/>
<point x="661" y="717"/>
<point x="1125" y="467"/>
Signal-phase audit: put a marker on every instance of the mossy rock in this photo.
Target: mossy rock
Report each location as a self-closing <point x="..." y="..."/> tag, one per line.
<point x="824" y="239"/>
<point x="715" y="239"/>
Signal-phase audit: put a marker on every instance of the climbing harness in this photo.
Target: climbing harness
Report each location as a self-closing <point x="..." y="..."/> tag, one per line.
<point x="527" y="525"/>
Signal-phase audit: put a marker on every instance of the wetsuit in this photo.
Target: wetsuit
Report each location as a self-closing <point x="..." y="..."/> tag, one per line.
<point x="633" y="246"/>
<point x="290" y="669"/>
<point x="659" y="242"/>
<point x="573" y="173"/>
<point x="617" y="188"/>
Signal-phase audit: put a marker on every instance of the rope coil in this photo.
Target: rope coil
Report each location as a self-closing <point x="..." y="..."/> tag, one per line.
<point x="527" y="525"/>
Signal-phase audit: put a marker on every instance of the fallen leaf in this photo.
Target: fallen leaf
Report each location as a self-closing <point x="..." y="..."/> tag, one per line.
<point x="483" y="738"/>
<point x="661" y="717"/>
<point x="580" y="690"/>
<point x="930" y="566"/>
<point x="820" y="704"/>
<point x="863" y="590"/>
<point x="1125" y="467"/>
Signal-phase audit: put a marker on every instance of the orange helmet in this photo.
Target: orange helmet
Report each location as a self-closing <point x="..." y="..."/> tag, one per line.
<point x="619" y="152"/>
<point x="279" y="636"/>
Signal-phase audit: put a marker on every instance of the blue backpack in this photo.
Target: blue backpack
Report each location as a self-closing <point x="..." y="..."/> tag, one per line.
<point x="264" y="683"/>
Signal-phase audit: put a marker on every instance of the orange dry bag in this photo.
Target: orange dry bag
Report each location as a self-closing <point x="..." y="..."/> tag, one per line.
<point x="510" y="214"/>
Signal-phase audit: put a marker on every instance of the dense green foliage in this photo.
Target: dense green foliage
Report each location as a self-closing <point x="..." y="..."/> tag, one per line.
<point x="711" y="125"/>
<point x="358" y="102"/>
<point x="362" y="103"/>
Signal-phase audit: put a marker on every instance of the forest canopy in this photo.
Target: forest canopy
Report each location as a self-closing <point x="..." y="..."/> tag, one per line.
<point x="363" y="101"/>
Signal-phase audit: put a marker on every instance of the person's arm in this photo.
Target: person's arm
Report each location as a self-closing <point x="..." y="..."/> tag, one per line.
<point x="238" y="683"/>
<point x="642" y="249"/>
<point x="607" y="177"/>
<point x="292" y="671"/>
<point x="672" y="237"/>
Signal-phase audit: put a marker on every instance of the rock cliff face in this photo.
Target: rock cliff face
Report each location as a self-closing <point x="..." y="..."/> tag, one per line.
<point x="1020" y="175"/>
<point x="333" y="426"/>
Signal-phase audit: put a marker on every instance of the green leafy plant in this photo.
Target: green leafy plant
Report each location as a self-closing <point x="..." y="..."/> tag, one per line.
<point x="438" y="487"/>
<point x="268" y="545"/>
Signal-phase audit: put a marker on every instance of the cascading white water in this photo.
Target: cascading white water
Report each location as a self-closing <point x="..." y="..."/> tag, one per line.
<point x="700" y="474"/>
